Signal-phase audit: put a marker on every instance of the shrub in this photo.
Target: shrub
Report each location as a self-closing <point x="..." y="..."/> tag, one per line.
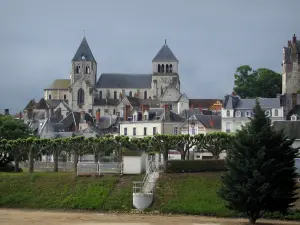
<point x="190" y="166"/>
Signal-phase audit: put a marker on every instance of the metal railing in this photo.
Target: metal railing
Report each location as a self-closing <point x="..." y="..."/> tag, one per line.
<point x="143" y="186"/>
<point x="92" y="168"/>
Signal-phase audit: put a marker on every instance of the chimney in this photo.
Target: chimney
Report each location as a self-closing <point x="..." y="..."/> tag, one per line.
<point x="294" y="100"/>
<point x="98" y="116"/>
<point x="211" y="122"/>
<point x="167" y="112"/>
<point x="294" y="38"/>
<point x="6" y="112"/>
<point x="29" y="113"/>
<point x="82" y="116"/>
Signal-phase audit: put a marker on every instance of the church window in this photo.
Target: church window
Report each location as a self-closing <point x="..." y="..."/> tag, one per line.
<point x="130" y="93"/>
<point x="80" y="97"/>
<point x="158" y="68"/>
<point x="87" y="69"/>
<point x="49" y="96"/>
<point x="100" y="94"/>
<point x="167" y="68"/>
<point x="115" y="95"/>
<point x="77" y="70"/>
<point x="228" y="113"/>
<point x="162" y="68"/>
<point x="170" y="68"/>
<point x="145" y="94"/>
<point x="65" y="97"/>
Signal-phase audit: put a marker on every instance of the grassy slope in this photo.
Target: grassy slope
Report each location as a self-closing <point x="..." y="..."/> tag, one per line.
<point x="195" y="194"/>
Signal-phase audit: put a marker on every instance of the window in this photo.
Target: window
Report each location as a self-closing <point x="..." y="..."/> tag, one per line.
<point x="134" y="131"/>
<point x="115" y="95"/>
<point x="145" y="94"/>
<point x="77" y="69"/>
<point x="167" y="68"/>
<point x="145" y="131"/>
<point x="170" y="68"/>
<point x="80" y="97"/>
<point x="238" y="113"/>
<point x="276" y="112"/>
<point x="228" y="125"/>
<point x="130" y="93"/>
<point x="293" y="117"/>
<point x="267" y="113"/>
<point x="154" y="130"/>
<point x="65" y="97"/>
<point x="158" y="68"/>
<point x="49" y="97"/>
<point x="87" y="69"/>
<point x="100" y="94"/>
<point x="175" y="130"/>
<point x="228" y="113"/>
<point x="248" y="114"/>
<point x="125" y="131"/>
<point x="162" y="68"/>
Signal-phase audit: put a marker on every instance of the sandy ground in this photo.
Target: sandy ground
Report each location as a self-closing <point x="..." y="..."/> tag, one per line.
<point x="24" y="217"/>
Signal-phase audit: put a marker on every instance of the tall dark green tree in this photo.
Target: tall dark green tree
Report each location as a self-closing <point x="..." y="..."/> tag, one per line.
<point x="261" y="175"/>
<point x="251" y="83"/>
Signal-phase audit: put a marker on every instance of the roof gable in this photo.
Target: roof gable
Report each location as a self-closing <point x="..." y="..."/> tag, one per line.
<point x="171" y="94"/>
<point x="165" y="55"/>
<point x="83" y="51"/>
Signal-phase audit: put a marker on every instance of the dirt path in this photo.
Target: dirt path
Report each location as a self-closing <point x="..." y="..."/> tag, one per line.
<point x="24" y="217"/>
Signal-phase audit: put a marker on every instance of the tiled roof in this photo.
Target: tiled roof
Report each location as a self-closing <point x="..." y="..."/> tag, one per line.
<point x="203" y="103"/>
<point x="109" y="101"/>
<point x="233" y="102"/>
<point x="295" y="110"/>
<point x="31" y="104"/>
<point x="59" y="84"/>
<point x="55" y="102"/>
<point x="210" y="121"/>
<point x="165" y="55"/>
<point x="42" y="104"/>
<point x="133" y="81"/>
<point x="69" y="119"/>
<point x="84" y="50"/>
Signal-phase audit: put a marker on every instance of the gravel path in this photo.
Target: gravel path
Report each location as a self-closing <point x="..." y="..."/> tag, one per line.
<point x="26" y="217"/>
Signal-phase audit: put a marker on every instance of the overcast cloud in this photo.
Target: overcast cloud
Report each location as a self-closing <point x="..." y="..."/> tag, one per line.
<point x="210" y="38"/>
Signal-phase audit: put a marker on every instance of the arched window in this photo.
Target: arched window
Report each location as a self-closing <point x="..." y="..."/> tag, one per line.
<point x="145" y="94"/>
<point x="276" y="112"/>
<point x="115" y="95"/>
<point x="228" y="113"/>
<point x="77" y="70"/>
<point x="167" y="68"/>
<point x="49" y="97"/>
<point x="158" y="68"/>
<point x="170" y="68"/>
<point x="130" y="93"/>
<point x="162" y="68"/>
<point x="87" y="69"/>
<point x="80" y="97"/>
<point x="65" y="97"/>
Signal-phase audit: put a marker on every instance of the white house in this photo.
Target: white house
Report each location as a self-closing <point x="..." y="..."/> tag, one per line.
<point x="236" y="111"/>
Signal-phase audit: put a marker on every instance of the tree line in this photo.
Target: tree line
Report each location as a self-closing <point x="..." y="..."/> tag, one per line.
<point x="31" y="148"/>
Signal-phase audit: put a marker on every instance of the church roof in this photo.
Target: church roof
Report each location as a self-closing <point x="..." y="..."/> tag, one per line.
<point x="84" y="50"/>
<point x="117" y="80"/>
<point x="165" y="55"/>
<point x="60" y="84"/>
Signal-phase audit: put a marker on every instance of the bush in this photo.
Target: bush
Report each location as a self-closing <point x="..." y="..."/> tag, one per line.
<point x="192" y="166"/>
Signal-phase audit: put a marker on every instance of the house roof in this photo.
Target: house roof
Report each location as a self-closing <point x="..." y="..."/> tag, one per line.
<point x="74" y="118"/>
<point x="135" y="102"/>
<point x="84" y="50"/>
<point x="31" y="104"/>
<point x="290" y="128"/>
<point x="55" y="102"/>
<point x="203" y="103"/>
<point x="233" y="102"/>
<point x="294" y="111"/>
<point x="42" y="104"/>
<point x="165" y="55"/>
<point x="210" y="121"/>
<point x="59" y="84"/>
<point x="118" y="80"/>
<point x="109" y="101"/>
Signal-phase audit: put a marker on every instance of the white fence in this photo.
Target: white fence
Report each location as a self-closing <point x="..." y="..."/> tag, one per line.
<point x="91" y="168"/>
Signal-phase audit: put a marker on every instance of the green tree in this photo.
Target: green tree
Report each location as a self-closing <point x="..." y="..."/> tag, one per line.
<point x="251" y="83"/>
<point x="261" y="173"/>
<point x="31" y="146"/>
<point x="184" y="143"/>
<point x="12" y="129"/>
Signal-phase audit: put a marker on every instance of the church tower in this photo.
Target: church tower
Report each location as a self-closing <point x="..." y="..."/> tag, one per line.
<point x="164" y="71"/>
<point x="83" y="78"/>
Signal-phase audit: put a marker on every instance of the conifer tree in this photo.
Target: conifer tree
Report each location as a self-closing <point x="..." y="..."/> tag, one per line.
<point x="261" y="173"/>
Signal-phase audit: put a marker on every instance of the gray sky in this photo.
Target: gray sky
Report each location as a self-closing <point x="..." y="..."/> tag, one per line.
<point x="210" y="38"/>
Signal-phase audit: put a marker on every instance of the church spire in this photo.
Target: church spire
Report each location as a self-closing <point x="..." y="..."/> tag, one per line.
<point x="84" y="51"/>
<point x="165" y="54"/>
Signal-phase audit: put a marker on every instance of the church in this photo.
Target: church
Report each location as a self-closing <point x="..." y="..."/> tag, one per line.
<point x="84" y="91"/>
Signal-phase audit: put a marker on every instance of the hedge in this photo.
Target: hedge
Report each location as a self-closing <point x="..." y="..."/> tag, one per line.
<point x="190" y="166"/>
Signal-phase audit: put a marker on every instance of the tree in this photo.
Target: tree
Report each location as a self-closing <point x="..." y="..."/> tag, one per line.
<point x="262" y="82"/>
<point x="215" y="143"/>
<point x="261" y="173"/>
<point x="12" y="129"/>
<point x="184" y="143"/>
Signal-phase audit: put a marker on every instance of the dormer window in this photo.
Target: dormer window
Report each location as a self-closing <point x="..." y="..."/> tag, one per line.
<point x="248" y="114"/>
<point x="268" y="113"/>
<point x="294" y="117"/>
<point x="238" y="113"/>
<point x="228" y="113"/>
<point x="276" y="112"/>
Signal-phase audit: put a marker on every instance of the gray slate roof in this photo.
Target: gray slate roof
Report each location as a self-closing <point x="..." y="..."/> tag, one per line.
<point x="233" y="102"/>
<point x="117" y="80"/>
<point x="165" y="55"/>
<point x="84" y="50"/>
<point x="290" y="128"/>
<point x="210" y="121"/>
